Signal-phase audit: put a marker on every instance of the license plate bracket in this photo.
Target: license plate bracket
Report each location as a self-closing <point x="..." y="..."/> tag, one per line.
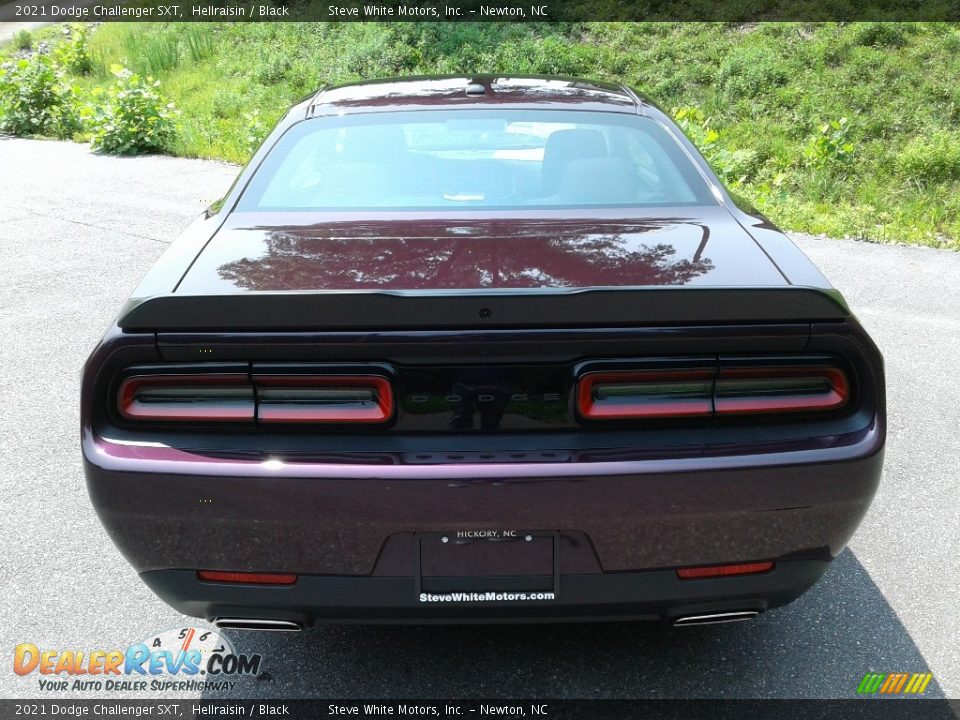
<point x="469" y="561"/>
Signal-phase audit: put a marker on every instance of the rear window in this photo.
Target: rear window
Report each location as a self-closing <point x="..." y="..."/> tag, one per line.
<point x="486" y="159"/>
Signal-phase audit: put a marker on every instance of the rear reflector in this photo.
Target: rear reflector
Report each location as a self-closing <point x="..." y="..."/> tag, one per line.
<point x="724" y="570"/>
<point x="246" y="578"/>
<point x="780" y="389"/>
<point x="323" y="399"/>
<point x="187" y="398"/>
<point x="645" y="394"/>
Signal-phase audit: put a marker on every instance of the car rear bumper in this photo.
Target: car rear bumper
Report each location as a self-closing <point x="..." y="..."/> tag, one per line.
<point x="653" y="595"/>
<point x="348" y="530"/>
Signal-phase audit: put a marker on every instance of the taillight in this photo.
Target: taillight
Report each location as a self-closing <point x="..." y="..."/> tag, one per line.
<point x="733" y="388"/>
<point x="187" y="398"/>
<point x="710" y="571"/>
<point x="780" y="389"/>
<point x="323" y="399"/>
<point x="246" y="578"/>
<point x="645" y="394"/>
<point x="236" y="397"/>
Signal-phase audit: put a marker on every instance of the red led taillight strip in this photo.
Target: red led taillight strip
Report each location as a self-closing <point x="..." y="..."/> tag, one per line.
<point x="323" y="399"/>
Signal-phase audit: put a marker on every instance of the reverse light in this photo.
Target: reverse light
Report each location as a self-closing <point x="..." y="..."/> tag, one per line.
<point x="323" y="399"/>
<point x="645" y="394"/>
<point x="780" y="389"/>
<point x="246" y="578"/>
<point x="187" y="398"/>
<point x="695" y="573"/>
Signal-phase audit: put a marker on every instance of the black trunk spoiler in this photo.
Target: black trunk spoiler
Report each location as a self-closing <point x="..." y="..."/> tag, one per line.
<point x="590" y="307"/>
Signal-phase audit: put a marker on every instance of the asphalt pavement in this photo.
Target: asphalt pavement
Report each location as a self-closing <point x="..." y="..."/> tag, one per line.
<point x="78" y="230"/>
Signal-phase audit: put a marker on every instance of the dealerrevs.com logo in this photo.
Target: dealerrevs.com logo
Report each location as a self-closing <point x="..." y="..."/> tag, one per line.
<point x="182" y="659"/>
<point x="895" y="683"/>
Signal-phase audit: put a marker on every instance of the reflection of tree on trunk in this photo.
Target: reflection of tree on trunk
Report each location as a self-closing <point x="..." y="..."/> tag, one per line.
<point x="470" y="254"/>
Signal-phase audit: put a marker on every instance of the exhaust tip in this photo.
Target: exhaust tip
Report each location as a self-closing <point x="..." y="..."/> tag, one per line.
<point x="257" y="624"/>
<point x="714" y="618"/>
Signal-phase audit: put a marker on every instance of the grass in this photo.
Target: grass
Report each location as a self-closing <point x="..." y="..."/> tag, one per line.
<point x="766" y="89"/>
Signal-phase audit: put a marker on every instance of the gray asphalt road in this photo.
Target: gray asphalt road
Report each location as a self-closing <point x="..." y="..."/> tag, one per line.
<point x="9" y="29"/>
<point x="78" y="230"/>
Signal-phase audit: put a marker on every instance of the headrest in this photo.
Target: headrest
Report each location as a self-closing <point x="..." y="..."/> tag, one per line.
<point x="598" y="180"/>
<point x="565" y="146"/>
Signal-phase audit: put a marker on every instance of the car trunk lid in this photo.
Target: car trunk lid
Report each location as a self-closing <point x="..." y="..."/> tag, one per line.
<point x="295" y="271"/>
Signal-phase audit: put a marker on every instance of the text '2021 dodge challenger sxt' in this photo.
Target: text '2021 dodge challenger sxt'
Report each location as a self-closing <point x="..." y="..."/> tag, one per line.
<point x="481" y="349"/>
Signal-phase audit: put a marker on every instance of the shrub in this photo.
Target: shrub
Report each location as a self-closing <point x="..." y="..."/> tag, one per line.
<point x="134" y="118"/>
<point x="697" y="127"/>
<point x="272" y="67"/>
<point x="830" y="145"/>
<point x="254" y="132"/>
<point x="933" y="158"/>
<point x="72" y="52"/>
<point x="733" y="166"/>
<point x="23" y="40"/>
<point x="879" y="34"/>
<point x="751" y="72"/>
<point x="35" y="100"/>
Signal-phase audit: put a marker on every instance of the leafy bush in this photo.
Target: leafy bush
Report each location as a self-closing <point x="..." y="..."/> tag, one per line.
<point x="697" y="127"/>
<point x="72" y="52"/>
<point x="733" y="166"/>
<point x="830" y="145"/>
<point x="256" y="131"/>
<point x="23" y="40"/>
<point x="35" y="100"/>
<point x="134" y="117"/>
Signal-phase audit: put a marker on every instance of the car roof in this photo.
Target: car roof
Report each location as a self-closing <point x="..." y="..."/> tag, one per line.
<point x="475" y="91"/>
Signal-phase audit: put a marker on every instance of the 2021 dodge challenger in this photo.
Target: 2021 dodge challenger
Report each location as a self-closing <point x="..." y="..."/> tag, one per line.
<point x="481" y="349"/>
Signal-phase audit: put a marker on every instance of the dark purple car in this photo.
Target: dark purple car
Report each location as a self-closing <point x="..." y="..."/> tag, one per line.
<point x="496" y="348"/>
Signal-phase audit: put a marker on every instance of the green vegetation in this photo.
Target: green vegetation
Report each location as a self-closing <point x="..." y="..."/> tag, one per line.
<point x="36" y="99"/>
<point x="72" y="53"/>
<point x="23" y="40"/>
<point x="843" y="129"/>
<point x="133" y="118"/>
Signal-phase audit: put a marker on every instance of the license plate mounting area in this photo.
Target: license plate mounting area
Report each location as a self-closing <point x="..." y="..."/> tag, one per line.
<point x="487" y="561"/>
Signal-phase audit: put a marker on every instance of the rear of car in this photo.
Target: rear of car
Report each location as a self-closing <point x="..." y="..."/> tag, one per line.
<point x="448" y="354"/>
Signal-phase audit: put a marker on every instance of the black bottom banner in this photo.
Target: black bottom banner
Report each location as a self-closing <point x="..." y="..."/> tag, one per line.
<point x="875" y="709"/>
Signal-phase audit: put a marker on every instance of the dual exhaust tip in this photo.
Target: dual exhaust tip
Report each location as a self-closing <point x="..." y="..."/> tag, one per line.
<point x="714" y="618"/>
<point x="257" y="624"/>
<point x="290" y="626"/>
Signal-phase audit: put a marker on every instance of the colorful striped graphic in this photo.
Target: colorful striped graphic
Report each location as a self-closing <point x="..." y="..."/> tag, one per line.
<point x="894" y="683"/>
